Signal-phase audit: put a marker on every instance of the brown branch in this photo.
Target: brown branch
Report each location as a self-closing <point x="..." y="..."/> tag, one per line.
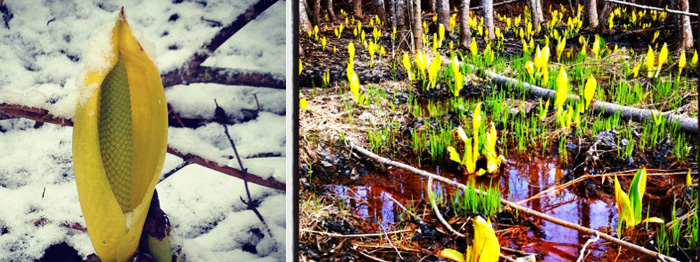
<point x="36" y="114"/>
<point x="225" y="76"/>
<point x="271" y="182"/>
<point x="43" y="115"/>
<point x="652" y="8"/>
<point x="191" y="70"/>
<point x="521" y="209"/>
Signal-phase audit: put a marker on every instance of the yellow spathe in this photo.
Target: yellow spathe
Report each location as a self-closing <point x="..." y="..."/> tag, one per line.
<point x="113" y="237"/>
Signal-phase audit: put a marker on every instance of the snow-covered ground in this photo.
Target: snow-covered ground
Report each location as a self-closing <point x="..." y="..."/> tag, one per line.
<point x="40" y="57"/>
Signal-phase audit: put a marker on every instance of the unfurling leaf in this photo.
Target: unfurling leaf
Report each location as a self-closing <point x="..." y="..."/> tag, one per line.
<point x="589" y="90"/>
<point x="649" y="60"/>
<point x="486" y="246"/>
<point x="119" y="141"/>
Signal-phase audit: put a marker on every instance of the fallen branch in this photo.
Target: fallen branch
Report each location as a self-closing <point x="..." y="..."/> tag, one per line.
<point x="652" y="8"/>
<point x="496" y="4"/>
<point x="43" y="115"/>
<point x="687" y="124"/>
<point x="225" y="76"/>
<point x="354" y="235"/>
<point x="512" y="205"/>
<point x="192" y="71"/>
<point x="437" y="212"/>
<point x="583" y="249"/>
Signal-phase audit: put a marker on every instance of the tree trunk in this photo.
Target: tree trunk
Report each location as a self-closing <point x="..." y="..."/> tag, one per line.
<point x="304" y="23"/>
<point x="432" y="4"/>
<point x="465" y="31"/>
<point x="417" y="25"/>
<point x="329" y="9"/>
<point x="488" y="17"/>
<point x="603" y="18"/>
<point x="357" y="8"/>
<point x="443" y="13"/>
<point x="684" y="27"/>
<point x="592" y="14"/>
<point x="381" y="12"/>
<point x="392" y="13"/>
<point x="536" y="12"/>
<point x="317" y="12"/>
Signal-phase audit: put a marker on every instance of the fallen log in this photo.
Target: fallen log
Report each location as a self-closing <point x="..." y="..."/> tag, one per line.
<point x="686" y="124"/>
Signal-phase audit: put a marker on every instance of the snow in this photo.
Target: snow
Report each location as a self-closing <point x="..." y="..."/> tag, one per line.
<point x="48" y="44"/>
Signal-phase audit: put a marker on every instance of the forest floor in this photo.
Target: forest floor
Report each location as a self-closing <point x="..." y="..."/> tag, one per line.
<point x="353" y="208"/>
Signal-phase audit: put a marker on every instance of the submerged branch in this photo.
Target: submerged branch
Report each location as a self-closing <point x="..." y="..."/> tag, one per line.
<point x="521" y="209"/>
<point x="43" y="115"/>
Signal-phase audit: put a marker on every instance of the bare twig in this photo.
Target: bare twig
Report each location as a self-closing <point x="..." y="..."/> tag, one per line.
<point x="583" y="249"/>
<point x="226" y="76"/>
<point x="354" y="235"/>
<point x="652" y="8"/>
<point x="251" y="204"/>
<point x="192" y="71"/>
<point x="437" y="212"/>
<point x="496" y="4"/>
<point x="512" y="205"/>
<point x="174" y="170"/>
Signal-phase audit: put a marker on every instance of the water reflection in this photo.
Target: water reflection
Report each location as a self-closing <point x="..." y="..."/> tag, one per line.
<point x="371" y="197"/>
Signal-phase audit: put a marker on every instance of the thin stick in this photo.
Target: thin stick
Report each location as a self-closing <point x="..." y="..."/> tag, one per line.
<point x="353" y="235"/>
<point x="510" y="204"/>
<point x="583" y="249"/>
<point x="652" y="8"/>
<point x="496" y="4"/>
<point x="392" y="245"/>
<point x="437" y="212"/>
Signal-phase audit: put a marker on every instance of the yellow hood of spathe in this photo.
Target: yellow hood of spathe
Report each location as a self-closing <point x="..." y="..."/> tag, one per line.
<point x="114" y="232"/>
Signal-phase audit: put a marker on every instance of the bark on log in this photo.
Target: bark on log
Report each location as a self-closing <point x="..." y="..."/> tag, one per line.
<point x="687" y="124"/>
<point x="521" y="209"/>
<point x="488" y="17"/>
<point x="465" y="30"/>
<point x="646" y="7"/>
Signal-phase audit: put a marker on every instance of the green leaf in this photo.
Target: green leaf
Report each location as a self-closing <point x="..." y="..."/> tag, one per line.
<point x="636" y="192"/>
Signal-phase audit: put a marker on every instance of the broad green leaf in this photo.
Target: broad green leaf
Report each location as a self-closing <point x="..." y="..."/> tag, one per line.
<point x="636" y="193"/>
<point x="454" y="156"/>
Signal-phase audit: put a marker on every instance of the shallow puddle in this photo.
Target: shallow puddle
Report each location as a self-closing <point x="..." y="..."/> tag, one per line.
<point x="372" y="197"/>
